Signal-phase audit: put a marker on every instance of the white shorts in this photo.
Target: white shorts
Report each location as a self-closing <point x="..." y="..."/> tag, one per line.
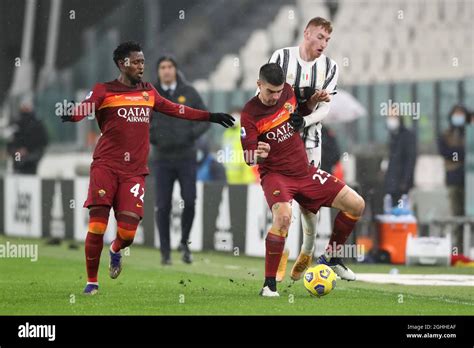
<point x="313" y="144"/>
<point x="314" y="156"/>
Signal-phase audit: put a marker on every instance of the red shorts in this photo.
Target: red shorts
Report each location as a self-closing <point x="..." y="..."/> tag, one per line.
<point x="313" y="191"/>
<point x="106" y="187"/>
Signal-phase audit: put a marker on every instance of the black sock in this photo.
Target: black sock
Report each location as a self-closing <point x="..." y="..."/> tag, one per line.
<point x="271" y="283"/>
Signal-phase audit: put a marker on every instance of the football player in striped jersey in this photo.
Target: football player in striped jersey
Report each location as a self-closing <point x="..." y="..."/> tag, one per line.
<point x="313" y="77"/>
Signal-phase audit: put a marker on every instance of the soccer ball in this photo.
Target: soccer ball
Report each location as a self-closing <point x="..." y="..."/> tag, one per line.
<point x="319" y="280"/>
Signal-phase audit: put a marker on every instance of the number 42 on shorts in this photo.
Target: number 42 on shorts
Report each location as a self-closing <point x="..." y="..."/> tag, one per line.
<point x="136" y="191"/>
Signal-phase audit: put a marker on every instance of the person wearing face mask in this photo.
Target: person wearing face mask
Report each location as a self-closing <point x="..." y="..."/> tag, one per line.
<point x="237" y="171"/>
<point x="29" y="140"/>
<point x="402" y="158"/>
<point x="451" y="146"/>
<point x="175" y="156"/>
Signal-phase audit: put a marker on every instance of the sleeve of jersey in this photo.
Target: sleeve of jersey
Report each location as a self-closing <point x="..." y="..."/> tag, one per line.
<point x="248" y="139"/>
<point x="90" y="105"/>
<point x="276" y="58"/>
<point x="331" y="81"/>
<point x="322" y="109"/>
<point x="178" y="110"/>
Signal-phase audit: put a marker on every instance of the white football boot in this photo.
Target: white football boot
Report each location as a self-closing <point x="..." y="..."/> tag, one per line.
<point x="338" y="267"/>
<point x="267" y="292"/>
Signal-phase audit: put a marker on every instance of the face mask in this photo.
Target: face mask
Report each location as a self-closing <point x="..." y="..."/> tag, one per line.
<point x="458" y="120"/>
<point x="393" y="123"/>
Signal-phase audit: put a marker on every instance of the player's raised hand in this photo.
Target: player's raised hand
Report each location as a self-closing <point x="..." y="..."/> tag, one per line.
<point x="223" y="119"/>
<point x="317" y="97"/>
<point x="323" y="96"/>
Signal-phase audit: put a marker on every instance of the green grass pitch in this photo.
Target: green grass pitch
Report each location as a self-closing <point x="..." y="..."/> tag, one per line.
<point x="216" y="284"/>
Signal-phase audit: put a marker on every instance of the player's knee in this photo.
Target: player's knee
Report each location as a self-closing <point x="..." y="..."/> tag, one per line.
<point x="283" y="222"/>
<point x="358" y="206"/>
<point x="98" y="218"/>
<point x="127" y="226"/>
<point x="125" y="234"/>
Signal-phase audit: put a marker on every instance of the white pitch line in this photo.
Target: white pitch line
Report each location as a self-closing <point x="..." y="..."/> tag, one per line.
<point x="453" y="301"/>
<point x="418" y="279"/>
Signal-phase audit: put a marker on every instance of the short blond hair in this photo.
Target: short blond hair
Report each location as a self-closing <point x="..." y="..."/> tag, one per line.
<point x="320" y="22"/>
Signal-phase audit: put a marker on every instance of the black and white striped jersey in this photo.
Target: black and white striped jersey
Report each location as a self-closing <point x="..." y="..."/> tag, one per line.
<point x="322" y="73"/>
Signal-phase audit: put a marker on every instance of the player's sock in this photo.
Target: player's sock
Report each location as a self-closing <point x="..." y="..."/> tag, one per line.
<point x="274" y="246"/>
<point x="343" y="226"/>
<point x="308" y="223"/>
<point x="271" y="283"/>
<point x="126" y="229"/>
<point x="98" y="219"/>
<point x="94" y="245"/>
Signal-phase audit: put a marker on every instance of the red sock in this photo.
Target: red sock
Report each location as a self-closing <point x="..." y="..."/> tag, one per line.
<point x="94" y="245"/>
<point x="119" y="244"/>
<point x="343" y="226"/>
<point x="126" y="229"/>
<point x="274" y="246"/>
<point x="98" y="218"/>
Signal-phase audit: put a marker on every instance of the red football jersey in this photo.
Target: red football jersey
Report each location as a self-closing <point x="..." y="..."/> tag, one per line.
<point x="270" y="124"/>
<point x="124" y="114"/>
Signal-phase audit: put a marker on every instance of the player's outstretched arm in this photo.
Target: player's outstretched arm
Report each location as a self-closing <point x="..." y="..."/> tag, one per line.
<point x="221" y="118"/>
<point x="66" y="111"/>
<point x="70" y="112"/>
<point x="182" y="111"/>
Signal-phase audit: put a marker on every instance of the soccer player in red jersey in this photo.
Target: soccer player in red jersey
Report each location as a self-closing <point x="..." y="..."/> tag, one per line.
<point x="270" y="138"/>
<point x="123" y="108"/>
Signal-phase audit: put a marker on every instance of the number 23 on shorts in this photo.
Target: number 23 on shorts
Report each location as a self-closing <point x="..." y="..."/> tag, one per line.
<point x="136" y="191"/>
<point x="321" y="175"/>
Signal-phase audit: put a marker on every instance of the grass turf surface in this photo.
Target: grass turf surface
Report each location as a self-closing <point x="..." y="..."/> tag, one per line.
<point x="215" y="284"/>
